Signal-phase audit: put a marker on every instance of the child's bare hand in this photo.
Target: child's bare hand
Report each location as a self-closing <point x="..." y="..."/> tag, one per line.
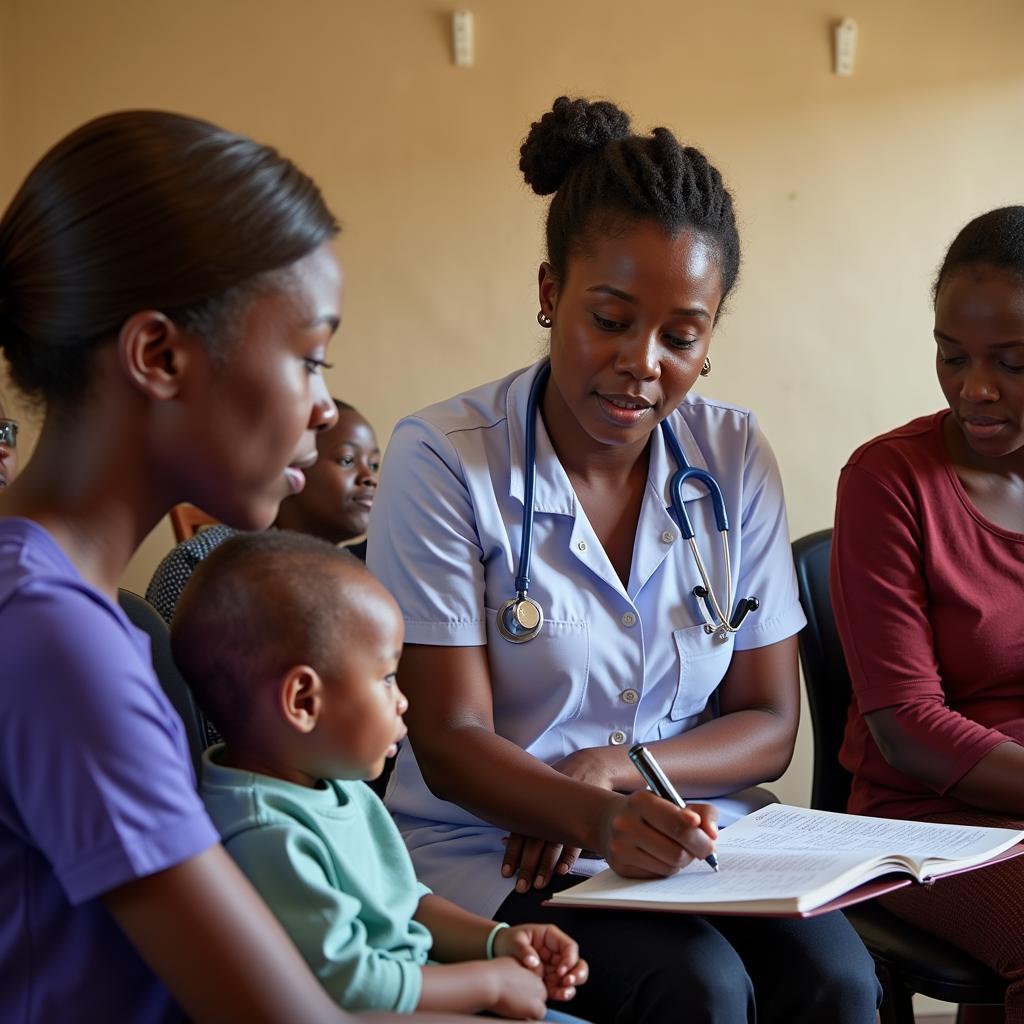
<point x="518" y="992"/>
<point x="549" y="953"/>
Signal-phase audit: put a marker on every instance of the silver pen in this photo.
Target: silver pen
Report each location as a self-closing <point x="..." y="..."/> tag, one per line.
<point x="660" y="784"/>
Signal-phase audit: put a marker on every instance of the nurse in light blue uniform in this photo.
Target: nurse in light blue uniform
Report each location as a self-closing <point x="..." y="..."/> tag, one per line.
<point x="614" y="664"/>
<point x="518" y="753"/>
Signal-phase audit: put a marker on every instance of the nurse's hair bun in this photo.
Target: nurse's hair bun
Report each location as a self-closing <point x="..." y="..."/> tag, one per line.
<point x="568" y="133"/>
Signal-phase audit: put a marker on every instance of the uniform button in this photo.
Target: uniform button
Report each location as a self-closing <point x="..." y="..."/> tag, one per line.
<point x="668" y="536"/>
<point x="630" y="696"/>
<point x="628" y="619"/>
<point x="617" y="738"/>
<point x="582" y="545"/>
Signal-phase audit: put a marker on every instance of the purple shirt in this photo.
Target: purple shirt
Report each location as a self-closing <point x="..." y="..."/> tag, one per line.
<point x="96" y="789"/>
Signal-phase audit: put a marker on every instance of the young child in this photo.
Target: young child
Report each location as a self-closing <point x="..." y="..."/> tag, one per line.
<point x="291" y="645"/>
<point x="334" y="504"/>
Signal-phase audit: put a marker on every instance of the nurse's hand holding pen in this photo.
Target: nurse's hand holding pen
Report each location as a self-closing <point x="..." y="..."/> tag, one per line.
<point x="648" y="837"/>
<point x="640" y="839"/>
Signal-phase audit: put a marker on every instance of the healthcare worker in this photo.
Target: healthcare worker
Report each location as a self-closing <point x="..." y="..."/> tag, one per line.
<point x="532" y="669"/>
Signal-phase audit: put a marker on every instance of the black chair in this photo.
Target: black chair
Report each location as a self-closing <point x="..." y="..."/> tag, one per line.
<point x="146" y="617"/>
<point x="908" y="959"/>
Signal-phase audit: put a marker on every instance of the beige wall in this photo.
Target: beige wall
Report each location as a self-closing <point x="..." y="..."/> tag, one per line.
<point x="848" y="189"/>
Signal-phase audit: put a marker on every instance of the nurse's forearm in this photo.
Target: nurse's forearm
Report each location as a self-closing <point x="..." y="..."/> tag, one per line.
<point x="739" y="751"/>
<point x="745" y="748"/>
<point x="501" y="783"/>
<point x="752" y="739"/>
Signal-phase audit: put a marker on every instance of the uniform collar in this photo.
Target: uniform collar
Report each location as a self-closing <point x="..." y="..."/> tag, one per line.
<point x="553" y="492"/>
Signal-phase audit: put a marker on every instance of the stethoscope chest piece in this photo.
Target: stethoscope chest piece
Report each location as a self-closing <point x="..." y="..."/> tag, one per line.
<point x="520" y="619"/>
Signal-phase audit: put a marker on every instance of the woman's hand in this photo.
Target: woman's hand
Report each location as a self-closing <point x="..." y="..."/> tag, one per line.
<point x="645" y="836"/>
<point x="549" y="953"/>
<point x="538" y="860"/>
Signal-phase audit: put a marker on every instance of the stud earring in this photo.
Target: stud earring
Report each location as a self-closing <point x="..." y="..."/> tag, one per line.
<point x="705" y="370"/>
<point x="543" y="319"/>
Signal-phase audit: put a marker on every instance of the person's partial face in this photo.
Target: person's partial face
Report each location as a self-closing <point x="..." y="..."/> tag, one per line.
<point x="255" y="416"/>
<point x="336" y="501"/>
<point x="979" y="338"/>
<point x="8" y="448"/>
<point x="631" y="326"/>
<point x="360" y="722"/>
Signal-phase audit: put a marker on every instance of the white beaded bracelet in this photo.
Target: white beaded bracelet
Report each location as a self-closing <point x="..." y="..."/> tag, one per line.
<point x="491" y="937"/>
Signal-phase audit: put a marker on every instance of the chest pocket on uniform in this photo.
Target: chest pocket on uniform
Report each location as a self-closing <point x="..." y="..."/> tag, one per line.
<point x="703" y="661"/>
<point x="540" y="683"/>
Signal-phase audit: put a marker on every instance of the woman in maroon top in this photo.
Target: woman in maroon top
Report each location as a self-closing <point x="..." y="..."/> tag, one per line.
<point x="928" y="589"/>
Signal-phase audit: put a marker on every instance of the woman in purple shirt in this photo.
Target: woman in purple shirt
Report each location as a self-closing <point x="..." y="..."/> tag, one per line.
<point x="167" y="289"/>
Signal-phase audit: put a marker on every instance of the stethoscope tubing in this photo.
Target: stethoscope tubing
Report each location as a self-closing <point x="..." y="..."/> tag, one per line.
<point x="530" y="481"/>
<point x="721" y="621"/>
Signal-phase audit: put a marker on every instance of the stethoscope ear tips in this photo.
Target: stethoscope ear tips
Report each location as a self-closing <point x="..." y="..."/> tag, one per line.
<point x="520" y="619"/>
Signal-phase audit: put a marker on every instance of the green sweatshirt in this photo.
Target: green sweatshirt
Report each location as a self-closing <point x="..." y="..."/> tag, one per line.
<point x="331" y="865"/>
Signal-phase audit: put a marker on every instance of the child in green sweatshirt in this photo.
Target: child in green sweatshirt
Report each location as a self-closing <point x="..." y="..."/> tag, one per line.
<point x="292" y="646"/>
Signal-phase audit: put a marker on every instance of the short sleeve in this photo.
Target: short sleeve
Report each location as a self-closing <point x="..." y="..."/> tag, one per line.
<point x="423" y="543"/>
<point x="290" y="868"/>
<point x="766" y="559"/>
<point x="96" y="774"/>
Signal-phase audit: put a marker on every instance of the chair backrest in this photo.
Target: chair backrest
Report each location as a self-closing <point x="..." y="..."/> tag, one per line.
<point x="187" y="521"/>
<point x="825" y="675"/>
<point x="146" y="617"/>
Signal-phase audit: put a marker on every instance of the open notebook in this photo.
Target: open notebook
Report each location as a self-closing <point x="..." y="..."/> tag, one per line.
<point x="784" y="860"/>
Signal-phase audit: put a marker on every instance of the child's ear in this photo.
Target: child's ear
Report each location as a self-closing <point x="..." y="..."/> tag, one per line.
<point x="301" y="696"/>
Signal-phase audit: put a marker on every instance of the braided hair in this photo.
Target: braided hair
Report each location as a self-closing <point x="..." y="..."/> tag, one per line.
<point x="601" y="173"/>
<point x="995" y="239"/>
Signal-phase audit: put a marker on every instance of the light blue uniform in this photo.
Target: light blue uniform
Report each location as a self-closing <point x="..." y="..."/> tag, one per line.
<point x="612" y="664"/>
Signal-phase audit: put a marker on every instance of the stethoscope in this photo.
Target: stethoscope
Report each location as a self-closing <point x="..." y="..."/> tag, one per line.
<point x="521" y="618"/>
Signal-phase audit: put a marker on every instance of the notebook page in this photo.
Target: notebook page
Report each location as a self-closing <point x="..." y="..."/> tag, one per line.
<point x="781" y="827"/>
<point x="745" y="876"/>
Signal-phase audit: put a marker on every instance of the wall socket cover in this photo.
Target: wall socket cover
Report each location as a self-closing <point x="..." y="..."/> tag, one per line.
<point x="462" y="38"/>
<point x="845" y="46"/>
